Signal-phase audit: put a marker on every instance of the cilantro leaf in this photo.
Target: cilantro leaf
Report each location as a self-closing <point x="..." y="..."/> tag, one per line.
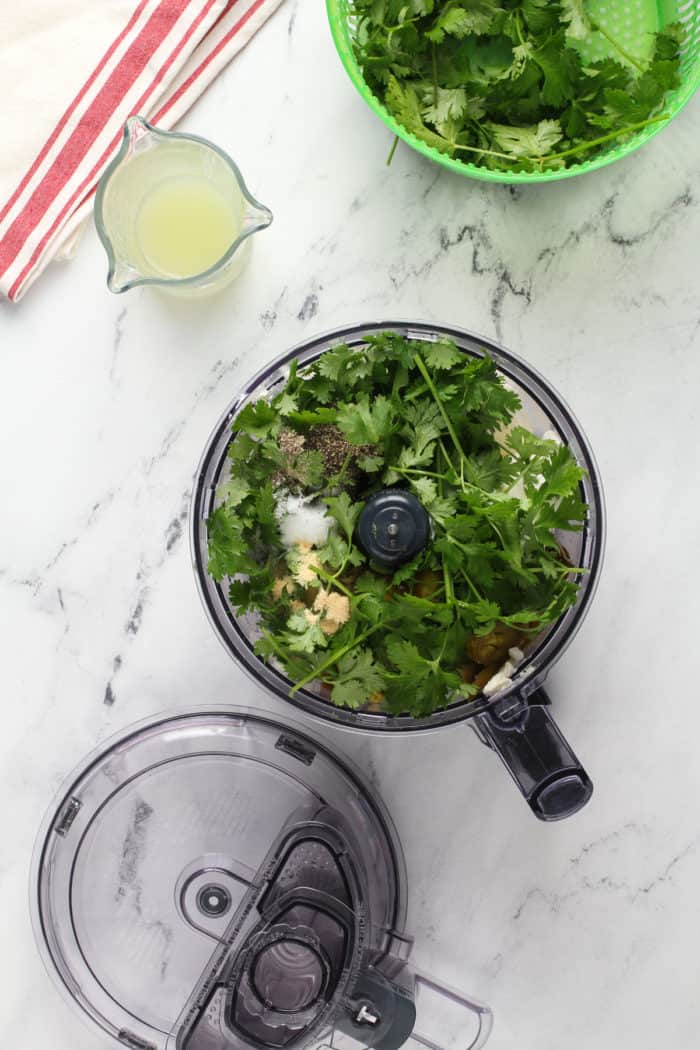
<point x="668" y="42"/>
<point x="345" y="512"/>
<point x="403" y="101"/>
<point x="406" y="657"/>
<point x="450" y="104"/>
<point x="539" y="15"/>
<point x="563" y="474"/>
<point x="523" y="54"/>
<point x="358" y="678"/>
<point x="308" y="418"/>
<point x="534" y="141"/>
<point x="265" y="505"/>
<point x="365" y="423"/>
<point x="285" y="404"/>
<point x="559" y="66"/>
<point x="472" y="16"/>
<point x="370" y="464"/>
<point x="429" y="682"/>
<point x="234" y="491"/>
<point x="258" y="419"/>
<point x="334" y="551"/>
<point x="304" y="467"/>
<point x="488" y="470"/>
<point x="442" y="355"/>
<point x="425" y="489"/>
<point x="333" y="363"/>
<point x="304" y="635"/>
<point x="407" y="571"/>
<point x="578" y="24"/>
<point x="443" y="507"/>
<point x="228" y="547"/>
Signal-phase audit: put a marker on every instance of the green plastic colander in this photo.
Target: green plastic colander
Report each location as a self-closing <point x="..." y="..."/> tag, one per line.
<point x="630" y="21"/>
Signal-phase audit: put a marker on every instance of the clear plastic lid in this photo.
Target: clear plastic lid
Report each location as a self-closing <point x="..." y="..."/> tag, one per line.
<point x="219" y="880"/>
<point x="543" y="410"/>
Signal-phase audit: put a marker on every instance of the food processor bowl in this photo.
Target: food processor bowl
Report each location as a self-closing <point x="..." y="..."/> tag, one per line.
<point x="516" y="722"/>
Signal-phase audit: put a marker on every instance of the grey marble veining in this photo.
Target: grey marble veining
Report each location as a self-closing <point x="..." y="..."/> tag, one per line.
<point x="578" y="934"/>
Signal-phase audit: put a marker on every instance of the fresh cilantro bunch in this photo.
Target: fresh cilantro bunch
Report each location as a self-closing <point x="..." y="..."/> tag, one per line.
<point x="429" y="418"/>
<point x="504" y="85"/>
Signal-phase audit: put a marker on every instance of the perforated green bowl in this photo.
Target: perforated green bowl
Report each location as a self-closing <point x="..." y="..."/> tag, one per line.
<point x="630" y="21"/>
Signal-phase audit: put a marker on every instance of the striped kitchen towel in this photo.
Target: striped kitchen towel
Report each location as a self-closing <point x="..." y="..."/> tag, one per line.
<point x="154" y="57"/>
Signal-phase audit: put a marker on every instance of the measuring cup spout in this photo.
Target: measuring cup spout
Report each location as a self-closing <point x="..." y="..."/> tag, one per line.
<point x="138" y="133"/>
<point x="256" y="217"/>
<point x="122" y="276"/>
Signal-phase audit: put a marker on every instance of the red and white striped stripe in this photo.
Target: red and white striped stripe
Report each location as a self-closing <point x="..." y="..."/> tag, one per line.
<point x="163" y="58"/>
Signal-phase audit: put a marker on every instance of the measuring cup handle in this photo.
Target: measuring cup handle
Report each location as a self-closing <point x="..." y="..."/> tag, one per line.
<point x="483" y="1014"/>
<point x="534" y="751"/>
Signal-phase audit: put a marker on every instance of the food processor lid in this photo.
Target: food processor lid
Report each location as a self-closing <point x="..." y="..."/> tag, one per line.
<point x="219" y="880"/>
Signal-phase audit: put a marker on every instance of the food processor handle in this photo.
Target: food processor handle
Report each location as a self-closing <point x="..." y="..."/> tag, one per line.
<point x="424" y="1013"/>
<point x="447" y="1001"/>
<point x="530" y="745"/>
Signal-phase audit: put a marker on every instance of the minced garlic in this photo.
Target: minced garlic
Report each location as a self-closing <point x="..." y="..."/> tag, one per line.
<point x="301" y="559"/>
<point x="336" y="606"/>
<point x="281" y="585"/>
<point x="335" y="609"/>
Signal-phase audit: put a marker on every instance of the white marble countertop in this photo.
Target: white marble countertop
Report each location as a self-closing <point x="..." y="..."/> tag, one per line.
<point x="578" y="934"/>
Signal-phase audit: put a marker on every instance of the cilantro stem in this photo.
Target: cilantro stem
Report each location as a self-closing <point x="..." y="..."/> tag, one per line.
<point x="565" y="570"/>
<point x="449" y="588"/>
<point x="278" y="648"/>
<point x="463" y="571"/>
<point x="332" y="580"/>
<point x="519" y="28"/>
<point x="332" y="659"/>
<point x="484" y="152"/>
<point x="422" y="473"/>
<point x="400" y="25"/>
<point x="433" y="51"/>
<point x="497" y="531"/>
<point x="598" y="28"/>
<point x="441" y="443"/>
<point x="604" y="138"/>
<point x="392" y="151"/>
<point x="471" y="585"/>
<point x="438" y="401"/>
<point x="346" y="463"/>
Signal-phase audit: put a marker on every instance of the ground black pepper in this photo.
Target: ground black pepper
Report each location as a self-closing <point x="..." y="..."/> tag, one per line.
<point x="327" y="439"/>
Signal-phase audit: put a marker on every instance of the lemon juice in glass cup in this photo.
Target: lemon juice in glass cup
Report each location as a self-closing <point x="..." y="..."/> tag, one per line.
<point x="173" y="211"/>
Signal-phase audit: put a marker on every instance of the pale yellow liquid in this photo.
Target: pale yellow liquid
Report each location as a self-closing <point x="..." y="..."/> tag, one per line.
<point x="185" y="226"/>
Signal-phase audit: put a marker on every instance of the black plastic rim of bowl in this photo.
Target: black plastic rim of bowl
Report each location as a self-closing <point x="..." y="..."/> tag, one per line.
<point x="221" y="615"/>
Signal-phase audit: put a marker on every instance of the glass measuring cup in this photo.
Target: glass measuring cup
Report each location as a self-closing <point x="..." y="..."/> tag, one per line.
<point x="173" y="211"/>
